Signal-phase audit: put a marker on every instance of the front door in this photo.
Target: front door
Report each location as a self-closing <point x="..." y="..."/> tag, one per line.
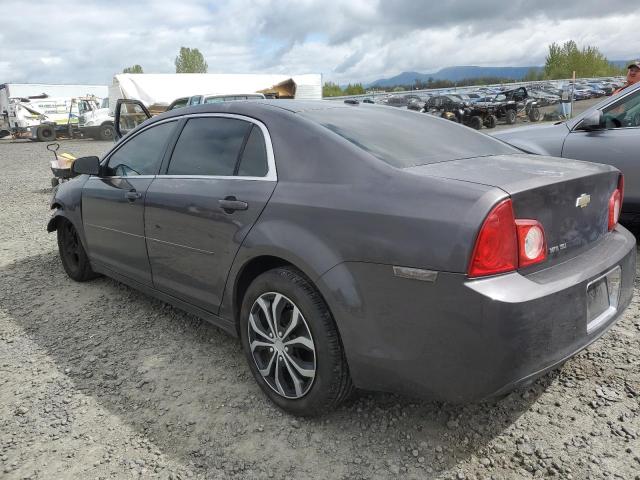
<point x="217" y="182"/>
<point x="113" y="203"/>
<point x="617" y="144"/>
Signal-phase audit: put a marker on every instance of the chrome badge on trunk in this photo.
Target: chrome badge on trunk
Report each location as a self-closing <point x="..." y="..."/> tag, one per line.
<point x="583" y="200"/>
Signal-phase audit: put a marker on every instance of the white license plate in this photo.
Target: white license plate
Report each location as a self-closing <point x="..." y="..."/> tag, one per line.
<point x="602" y="298"/>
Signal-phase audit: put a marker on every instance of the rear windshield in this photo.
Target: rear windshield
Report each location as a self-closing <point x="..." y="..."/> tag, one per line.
<point x="405" y="139"/>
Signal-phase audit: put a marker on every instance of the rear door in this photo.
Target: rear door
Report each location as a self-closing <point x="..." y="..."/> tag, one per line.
<point x="113" y="203"/>
<point x="616" y="144"/>
<point x="198" y="211"/>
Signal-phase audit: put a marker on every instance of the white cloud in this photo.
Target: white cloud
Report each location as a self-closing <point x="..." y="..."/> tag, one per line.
<point x="89" y="41"/>
<point x="51" y="61"/>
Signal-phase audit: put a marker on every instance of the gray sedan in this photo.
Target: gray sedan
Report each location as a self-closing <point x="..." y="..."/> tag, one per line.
<point x="608" y="133"/>
<point x="355" y="245"/>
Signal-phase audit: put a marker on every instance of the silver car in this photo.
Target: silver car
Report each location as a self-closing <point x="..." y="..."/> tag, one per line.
<point x="608" y="133"/>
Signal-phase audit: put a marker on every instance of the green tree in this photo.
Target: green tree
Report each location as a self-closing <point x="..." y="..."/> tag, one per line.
<point x="355" y="89"/>
<point x="190" y="60"/>
<point x="534" y="74"/>
<point x="563" y="60"/>
<point x="133" y="69"/>
<point x="330" y="89"/>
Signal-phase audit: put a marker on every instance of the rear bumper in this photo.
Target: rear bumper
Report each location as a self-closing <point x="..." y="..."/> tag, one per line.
<point x="464" y="340"/>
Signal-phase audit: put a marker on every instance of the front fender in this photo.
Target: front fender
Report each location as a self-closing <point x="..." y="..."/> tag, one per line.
<point x="66" y="204"/>
<point x="52" y="224"/>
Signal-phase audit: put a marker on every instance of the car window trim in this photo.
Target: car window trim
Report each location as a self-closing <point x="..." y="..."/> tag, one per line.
<point x="127" y="139"/>
<point x="272" y="174"/>
<point x="241" y="151"/>
<point x="615" y="129"/>
<point x="164" y="165"/>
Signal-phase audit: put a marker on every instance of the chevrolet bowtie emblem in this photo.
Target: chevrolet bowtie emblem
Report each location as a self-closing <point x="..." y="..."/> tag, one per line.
<point x="583" y="200"/>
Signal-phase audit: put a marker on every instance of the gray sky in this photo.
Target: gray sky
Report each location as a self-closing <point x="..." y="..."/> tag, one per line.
<point x="359" y="40"/>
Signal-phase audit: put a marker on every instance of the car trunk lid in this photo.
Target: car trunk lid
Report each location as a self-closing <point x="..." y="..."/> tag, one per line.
<point x="569" y="198"/>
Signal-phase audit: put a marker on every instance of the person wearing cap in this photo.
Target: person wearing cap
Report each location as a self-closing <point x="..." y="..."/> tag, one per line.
<point x="633" y="76"/>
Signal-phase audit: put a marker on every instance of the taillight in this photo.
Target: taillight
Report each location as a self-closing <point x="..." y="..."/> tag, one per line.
<point x="496" y="249"/>
<point x="505" y="244"/>
<point x="615" y="203"/>
<point x="532" y="246"/>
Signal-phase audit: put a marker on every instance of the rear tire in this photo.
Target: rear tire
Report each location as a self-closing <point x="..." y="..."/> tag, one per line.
<point x="475" y="122"/>
<point x="46" y="133"/>
<point x="106" y="132"/>
<point x="510" y="116"/>
<point x="305" y="377"/>
<point x="74" y="258"/>
<point x="491" y="121"/>
<point x="534" y="115"/>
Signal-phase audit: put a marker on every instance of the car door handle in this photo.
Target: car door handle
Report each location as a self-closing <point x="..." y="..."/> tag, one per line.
<point x="231" y="204"/>
<point x="132" y="195"/>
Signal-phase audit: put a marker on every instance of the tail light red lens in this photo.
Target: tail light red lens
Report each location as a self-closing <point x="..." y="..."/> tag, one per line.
<point x="615" y="204"/>
<point x="496" y="249"/>
<point x="505" y="244"/>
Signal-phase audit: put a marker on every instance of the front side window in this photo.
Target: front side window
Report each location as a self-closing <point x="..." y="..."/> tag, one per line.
<point x="623" y="113"/>
<point x="209" y="146"/>
<point x="84" y="106"/>
<point x="142" y="154"/>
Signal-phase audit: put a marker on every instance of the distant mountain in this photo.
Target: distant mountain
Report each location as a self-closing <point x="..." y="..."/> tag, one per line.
<point x="620" y="63"/>
<point x="455" y="74"/>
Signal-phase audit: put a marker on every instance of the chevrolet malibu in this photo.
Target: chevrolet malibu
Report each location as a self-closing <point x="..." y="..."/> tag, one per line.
<point x="356" y="246"/>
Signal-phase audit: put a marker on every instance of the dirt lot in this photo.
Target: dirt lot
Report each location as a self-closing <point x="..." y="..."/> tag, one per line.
<point x="100" y="381"/>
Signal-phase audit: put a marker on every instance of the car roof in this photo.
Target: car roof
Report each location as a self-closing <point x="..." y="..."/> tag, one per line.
<point x="267" y="110"/>
<point x="256" y="106"/>
<point x="224" y="95"/>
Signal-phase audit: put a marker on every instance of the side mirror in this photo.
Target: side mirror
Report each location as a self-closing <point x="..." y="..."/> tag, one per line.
<point x="86" y="166"/>
<point x="593" y="121"/>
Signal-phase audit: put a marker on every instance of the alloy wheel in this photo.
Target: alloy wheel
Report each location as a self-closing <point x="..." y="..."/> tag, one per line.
<point x="281" y="345"/>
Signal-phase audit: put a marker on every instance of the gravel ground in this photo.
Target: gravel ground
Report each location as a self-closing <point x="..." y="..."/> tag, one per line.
<point x="100" y="381"/>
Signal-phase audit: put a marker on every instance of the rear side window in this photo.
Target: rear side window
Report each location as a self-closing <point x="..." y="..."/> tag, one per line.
<point x="209" y="146"/>
<point x="406" y="139"/>
<point x="254" y="156"/>
<point x="142" y="154"/>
